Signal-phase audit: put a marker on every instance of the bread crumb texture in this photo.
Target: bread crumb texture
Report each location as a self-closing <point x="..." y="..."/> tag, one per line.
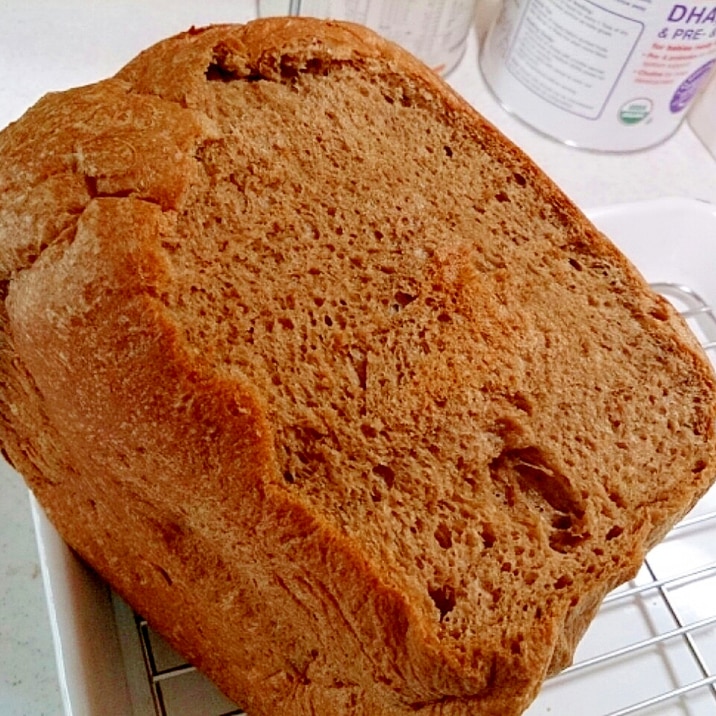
<point x="328" y="379"/>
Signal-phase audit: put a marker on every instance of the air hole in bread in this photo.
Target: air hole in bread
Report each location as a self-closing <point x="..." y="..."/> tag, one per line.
<point x="487" y="533"/>
<point x="563" y="541"/>
<point x="443" y="598"/>
<point x="617" y="499"/>
<point x="516" y="645"/>
<point x="562" y="522"/>
<point x="563" y="582"/>
<point x="521" y="402"/>
<point x="402" y="298"/>
<point x="527" y="472"/>
<point x="225" y="66"/>
<point x="387" y="473"/>
<point x="163" y="573"/>
<point x="360" y="366"/>
<point x="443" y="535"/>
<point x="91" y="186"/>
<point x="216" y="73"/>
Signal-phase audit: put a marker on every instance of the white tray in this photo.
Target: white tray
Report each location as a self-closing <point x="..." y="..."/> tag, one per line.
<point x="651" y="650"/>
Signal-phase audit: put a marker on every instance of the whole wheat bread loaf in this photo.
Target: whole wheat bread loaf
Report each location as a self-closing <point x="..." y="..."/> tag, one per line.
<point x="328" y="380"/>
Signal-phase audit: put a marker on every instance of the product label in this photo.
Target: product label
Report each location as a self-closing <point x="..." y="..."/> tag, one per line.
<point x="605" y="73"/>
<point x="570" y="51"/>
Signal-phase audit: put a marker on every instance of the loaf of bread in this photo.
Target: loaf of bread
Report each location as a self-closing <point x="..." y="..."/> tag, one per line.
<point x="328" y="380"/>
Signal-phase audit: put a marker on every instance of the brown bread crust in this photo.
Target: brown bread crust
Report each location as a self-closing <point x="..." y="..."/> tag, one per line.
<point x="157" y="449"/>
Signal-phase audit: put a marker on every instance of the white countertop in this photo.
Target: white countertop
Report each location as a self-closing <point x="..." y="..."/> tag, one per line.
<point x="52" y="45"/>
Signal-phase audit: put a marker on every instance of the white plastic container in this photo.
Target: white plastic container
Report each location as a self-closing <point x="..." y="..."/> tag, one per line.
<point x="611" y="75"/>
<point x="433" y="30"/>
<point x="702" y="116"/>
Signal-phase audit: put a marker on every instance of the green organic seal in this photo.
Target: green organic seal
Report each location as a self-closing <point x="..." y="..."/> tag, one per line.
<point x="635" y="110"/>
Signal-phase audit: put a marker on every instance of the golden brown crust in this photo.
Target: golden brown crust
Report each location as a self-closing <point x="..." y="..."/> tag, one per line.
<point x="161" y="466"/>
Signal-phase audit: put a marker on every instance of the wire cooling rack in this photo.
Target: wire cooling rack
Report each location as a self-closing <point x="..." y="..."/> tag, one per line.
<point x="651" y="651"/>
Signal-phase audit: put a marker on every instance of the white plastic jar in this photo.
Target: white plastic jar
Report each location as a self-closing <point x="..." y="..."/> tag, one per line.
<point x="611" y="75"/>
<point x="433" y="30"/>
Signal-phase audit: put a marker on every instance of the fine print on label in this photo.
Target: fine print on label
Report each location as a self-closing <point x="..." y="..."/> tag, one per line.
<point x="613" y="75"/>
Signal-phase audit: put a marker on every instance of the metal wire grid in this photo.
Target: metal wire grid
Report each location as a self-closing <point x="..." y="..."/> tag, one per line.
<point x="689" y="634"/>
<point x="158" y="676"/>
